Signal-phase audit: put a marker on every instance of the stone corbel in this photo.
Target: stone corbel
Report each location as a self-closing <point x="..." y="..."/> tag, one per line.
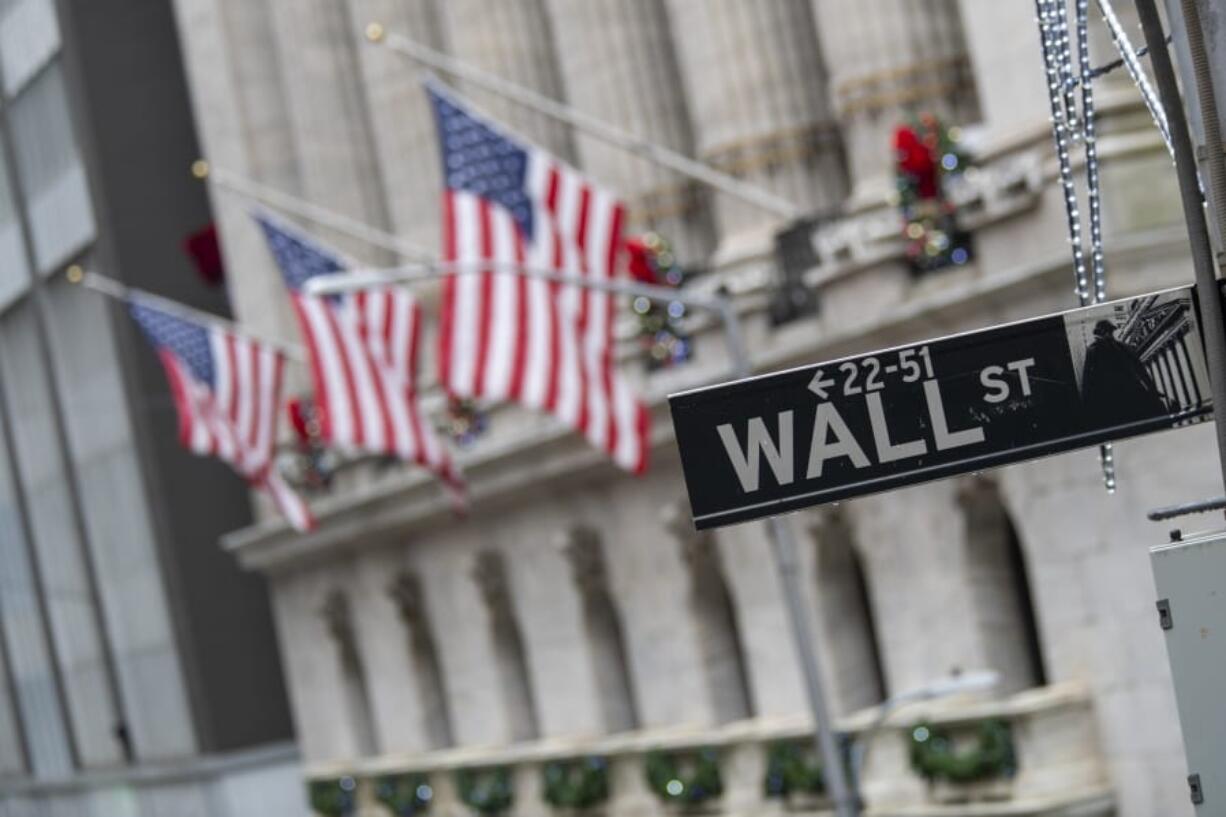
<point x="405" y="593"/>
<point x="338" y="618"/>
<point x="581" y="546"/>
<point x="489" y="573"/>
<point x="697" y="547"/>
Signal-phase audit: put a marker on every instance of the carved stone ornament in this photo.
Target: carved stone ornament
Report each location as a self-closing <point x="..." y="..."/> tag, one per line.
<point x="405" y="592"/>
<point x="489" y="573"/>
<point x="581" y="545"/>
<point x="697" y="547"/>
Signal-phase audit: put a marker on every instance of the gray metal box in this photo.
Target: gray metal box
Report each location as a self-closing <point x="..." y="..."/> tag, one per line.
<point x="1191" y="579"/>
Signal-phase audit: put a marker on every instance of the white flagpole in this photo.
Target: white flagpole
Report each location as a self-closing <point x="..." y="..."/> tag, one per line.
<point x="596" y="128"/>
<point x="248" y="188"/>
<point x="112" y="288"/>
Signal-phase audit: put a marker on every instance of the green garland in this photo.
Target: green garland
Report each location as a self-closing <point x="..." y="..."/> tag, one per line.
<point x="404" y="794"/>
<point x="487" y="790"/>
<point x="332" y="798"/>
<point x="578" y="783"/>
<point x="791" y="768"/>
<point x="933" y="755"/>
<point x="701" y="781"/>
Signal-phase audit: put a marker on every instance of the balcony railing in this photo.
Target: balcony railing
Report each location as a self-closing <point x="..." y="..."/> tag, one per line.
<point x="1035" y="753"/>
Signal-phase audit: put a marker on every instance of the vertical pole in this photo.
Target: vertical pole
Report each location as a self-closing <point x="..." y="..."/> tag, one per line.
<point x="1207" y="292"/>
<point x="784" y="550"/>
<point x="783" y="543"/>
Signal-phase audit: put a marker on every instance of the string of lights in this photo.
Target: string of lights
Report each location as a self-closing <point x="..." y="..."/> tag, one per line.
<point x="1068" y="127"/>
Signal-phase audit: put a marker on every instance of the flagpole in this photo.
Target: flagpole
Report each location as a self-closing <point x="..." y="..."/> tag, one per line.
<point x="782" y="537"/>
<point x="596" y="128"/>
<point x="296" y="206"/>
<point x="112" y="288"/>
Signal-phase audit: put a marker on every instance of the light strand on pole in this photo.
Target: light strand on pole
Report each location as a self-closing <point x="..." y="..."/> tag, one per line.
<point x="1049" y="35"/>
<point x="1093" y="193"/>
<point x="1064" y="66"/>
<point x="1133" y="65"/>
<point x="1058" y="68"/>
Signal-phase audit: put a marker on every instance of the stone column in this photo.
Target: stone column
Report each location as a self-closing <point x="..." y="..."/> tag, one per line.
<point x="316" y="42"/>
<point x="845" y="616"/>
<point x="402" y="122"/>
<point x="603" y="628"/>
<point x="756" y="89"/>
<point x="510" y="658"/>
<point x="619" y="65"/>
<point x="715" y="619"/>
<point x="510" y="38"/>
<point x="999" y="584"/>
<point x="338" y="619"/>
<point x="916" y="548"/>
<point x="433" y="707"/>
<point x="888" y="60"/>
<point x="1003" y="40"/>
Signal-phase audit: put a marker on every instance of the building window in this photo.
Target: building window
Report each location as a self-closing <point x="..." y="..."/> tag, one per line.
<point x="52" y="174"/>
<point x="29" y="38"/>
<point x="14" y="270"/>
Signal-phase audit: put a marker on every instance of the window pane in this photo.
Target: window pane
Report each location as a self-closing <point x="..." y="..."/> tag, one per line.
<point x="52" y="175"/>
<point x="14" y="270"/>
<point x="104" y="456"/>
<point x="74" y="618"/>
<point x="38" y="700"/>
<point x="29" y="36"/>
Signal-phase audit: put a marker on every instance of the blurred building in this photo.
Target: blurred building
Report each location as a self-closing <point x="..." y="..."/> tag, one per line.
<point x="138" y="666"/>
<point x="574" y="611"/>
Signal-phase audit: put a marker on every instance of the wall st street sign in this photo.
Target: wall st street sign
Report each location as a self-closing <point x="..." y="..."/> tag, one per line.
<point x="865" y="424"/>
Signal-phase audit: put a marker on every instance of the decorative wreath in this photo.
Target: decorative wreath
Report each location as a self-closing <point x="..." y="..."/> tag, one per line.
<point x="934" y="757"/>
<point x="332" y="798"/>
<point x="487" y="790"/>
<point x="577" y="783"/>
<point x="405" y="794"/>
<point x="687" y="777"/>
<point x="791" y="768"/>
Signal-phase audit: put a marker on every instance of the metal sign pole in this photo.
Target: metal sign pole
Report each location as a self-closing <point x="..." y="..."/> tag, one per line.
<point x="783" y="539"/>
<point x="783" y="547"/>
<point x="1208" y="294"/>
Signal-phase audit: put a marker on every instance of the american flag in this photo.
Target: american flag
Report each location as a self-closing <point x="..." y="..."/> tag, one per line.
<point x="227" y="391"/>
<point x="363" y="353"/>
<point x="505" y="336"/>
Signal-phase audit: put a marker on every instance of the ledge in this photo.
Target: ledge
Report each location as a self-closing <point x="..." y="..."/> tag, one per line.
<point x="411" y="499"/>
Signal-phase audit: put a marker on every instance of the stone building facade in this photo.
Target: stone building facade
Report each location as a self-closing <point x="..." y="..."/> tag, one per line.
<point x="574" y="611"/>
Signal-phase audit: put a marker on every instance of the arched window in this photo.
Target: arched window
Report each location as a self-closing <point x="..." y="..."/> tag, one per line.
<point x="406" y="591"/>
<point x="845" y="611"/>
<point x="603" y="628"/>
<point x="339" y="620"/>
<point x="511" y="660"/>
<point x="998" y="575"/>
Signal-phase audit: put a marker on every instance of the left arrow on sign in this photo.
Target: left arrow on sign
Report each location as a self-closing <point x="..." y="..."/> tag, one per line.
<point x="818" y="384"/>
